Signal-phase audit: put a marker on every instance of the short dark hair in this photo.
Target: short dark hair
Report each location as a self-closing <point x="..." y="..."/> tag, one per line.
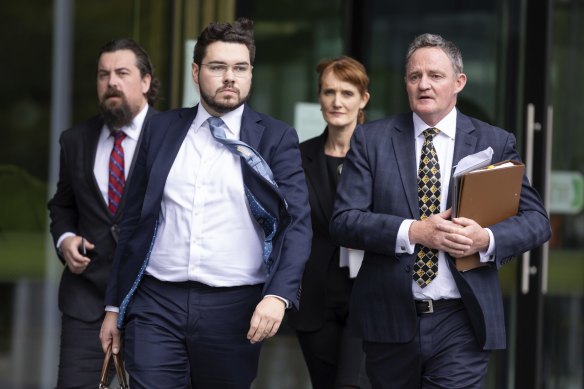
<point x="142" y="62"/>
<point x="240" y="31"/>
<point x="432" y="40"/>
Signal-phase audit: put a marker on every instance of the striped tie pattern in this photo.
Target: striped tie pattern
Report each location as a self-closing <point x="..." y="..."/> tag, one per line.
<point x="426" y="265"/>
<point x="117" y="178"/>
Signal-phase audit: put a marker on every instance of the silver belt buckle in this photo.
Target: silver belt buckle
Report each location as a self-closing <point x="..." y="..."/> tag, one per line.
<point x="430" y="306"/>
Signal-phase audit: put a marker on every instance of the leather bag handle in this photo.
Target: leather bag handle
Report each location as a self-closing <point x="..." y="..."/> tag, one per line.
<point x="119" y="364"/>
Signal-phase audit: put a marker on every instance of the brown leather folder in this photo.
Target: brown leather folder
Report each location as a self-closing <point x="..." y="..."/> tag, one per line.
<point x="488" y="196"/>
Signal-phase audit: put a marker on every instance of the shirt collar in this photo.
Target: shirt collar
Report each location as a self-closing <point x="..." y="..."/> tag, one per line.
<point x="232" y="120"/>
<point x="447" y="125"/>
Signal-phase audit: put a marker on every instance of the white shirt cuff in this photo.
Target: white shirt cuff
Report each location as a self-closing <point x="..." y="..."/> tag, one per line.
<point x="285" y="301"/>
<point x="402" y="243"/>
<point x="110" y="308"/>
<point x="62" y="238"/>
<point x="488" y="256"/>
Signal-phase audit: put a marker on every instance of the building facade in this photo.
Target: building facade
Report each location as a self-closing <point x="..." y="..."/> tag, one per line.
<point x="523" y="59"/>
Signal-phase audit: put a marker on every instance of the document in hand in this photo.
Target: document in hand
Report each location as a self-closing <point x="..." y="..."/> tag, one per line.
<point x="488" y="195"/>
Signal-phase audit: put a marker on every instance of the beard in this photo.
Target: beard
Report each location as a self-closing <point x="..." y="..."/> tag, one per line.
<point x="115" y="116"/>
<point x="222" y="106"/>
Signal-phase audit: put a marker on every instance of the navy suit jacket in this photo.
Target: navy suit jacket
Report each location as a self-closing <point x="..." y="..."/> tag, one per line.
<point x="275" y="141"/>
<point x="79" y="207"/>
<point x="378" y="190"/>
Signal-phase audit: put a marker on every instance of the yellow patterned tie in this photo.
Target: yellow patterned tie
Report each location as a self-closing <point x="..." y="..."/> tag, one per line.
<point x="426" y="266"/>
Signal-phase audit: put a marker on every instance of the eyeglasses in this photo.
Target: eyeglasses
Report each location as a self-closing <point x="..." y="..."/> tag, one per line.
<point x="219" y="69"/>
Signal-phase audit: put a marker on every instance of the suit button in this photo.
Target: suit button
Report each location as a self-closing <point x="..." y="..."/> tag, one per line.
<point x="408" y="269"/>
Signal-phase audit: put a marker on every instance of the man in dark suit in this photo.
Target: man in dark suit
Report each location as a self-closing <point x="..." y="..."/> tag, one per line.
<point x="424" y="323"/>
<point x="87" y="208"/>
<point x="216" y="231"/>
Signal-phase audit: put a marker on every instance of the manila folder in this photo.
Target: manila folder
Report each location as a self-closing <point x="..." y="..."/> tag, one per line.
<point x="488" y="196"/>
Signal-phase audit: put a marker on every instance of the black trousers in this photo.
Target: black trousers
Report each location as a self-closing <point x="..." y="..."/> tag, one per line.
<point x="187" y="334"/>
<point x="334" y="357"/>
<point x="81" y="356"/>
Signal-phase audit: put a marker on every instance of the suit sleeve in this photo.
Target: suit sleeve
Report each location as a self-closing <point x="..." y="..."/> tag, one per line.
<point x="62" y="207"/>
<point x="286" y="166"/>
<point x="527" y="230"/>
<point x="355" y="222"/>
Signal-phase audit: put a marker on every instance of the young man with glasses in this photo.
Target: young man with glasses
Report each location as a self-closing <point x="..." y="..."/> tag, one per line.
<point x="216" y="233"/>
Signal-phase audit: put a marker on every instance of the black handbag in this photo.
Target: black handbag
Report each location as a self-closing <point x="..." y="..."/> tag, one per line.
<point x="121" y="373"/>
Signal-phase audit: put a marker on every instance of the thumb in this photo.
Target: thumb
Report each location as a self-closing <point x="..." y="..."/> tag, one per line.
<point x="89" y="245"/>
<point x="446" y="214"/>
<point x="116" y="344"/>
<point x="463" y="221"/>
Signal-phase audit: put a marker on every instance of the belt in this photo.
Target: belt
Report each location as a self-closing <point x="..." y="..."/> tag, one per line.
<point x="429" y="306"/>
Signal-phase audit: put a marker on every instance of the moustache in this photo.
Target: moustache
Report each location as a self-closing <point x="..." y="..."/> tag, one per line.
<point x="111" y="92"/>
<point x="228" y="88"/>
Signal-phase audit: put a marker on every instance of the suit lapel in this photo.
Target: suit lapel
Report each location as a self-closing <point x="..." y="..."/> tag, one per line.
<point x="464" y="144"/>
<point x="251" y="131"/>
<point x="149" y="113"/>
<point x="90" y="139"/>
<point x="165" y="153"/>
<point x="316" y="173"/>
<point x="404" y="146"/>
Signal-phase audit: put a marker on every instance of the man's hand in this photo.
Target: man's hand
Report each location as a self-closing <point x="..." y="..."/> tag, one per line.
<point x="109" y="332"/>
<point x="466" y="230"/>
<point x="266" y="319"/>
<point x="72" y="248"/>
<point x="437" y="232"/>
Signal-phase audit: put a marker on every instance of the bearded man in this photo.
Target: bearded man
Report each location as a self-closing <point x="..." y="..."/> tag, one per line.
<point x="96" y="164"/>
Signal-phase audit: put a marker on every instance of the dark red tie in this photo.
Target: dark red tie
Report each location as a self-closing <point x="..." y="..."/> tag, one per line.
<point x="117" y="179"/>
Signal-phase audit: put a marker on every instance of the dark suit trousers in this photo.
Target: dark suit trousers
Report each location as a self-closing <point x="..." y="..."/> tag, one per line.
<point x="81" y="356"/>
<point x="180" y="334"/>
<point x="333" y="356"/>
<point x="444" y="354"/>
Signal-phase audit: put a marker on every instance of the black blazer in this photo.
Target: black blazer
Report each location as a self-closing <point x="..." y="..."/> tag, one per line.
<point x="79" y="207"/>
<point x="311" y="315"/>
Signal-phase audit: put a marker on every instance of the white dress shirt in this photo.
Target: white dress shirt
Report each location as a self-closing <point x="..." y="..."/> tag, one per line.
<point x="105" y="145"/>
<point x="206" y="232"/>
<point x="443" y="286"/>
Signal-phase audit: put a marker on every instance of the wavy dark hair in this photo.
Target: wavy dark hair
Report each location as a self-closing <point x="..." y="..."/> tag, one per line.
<point x="142" y="62"/>
<point x="240" y="31"/>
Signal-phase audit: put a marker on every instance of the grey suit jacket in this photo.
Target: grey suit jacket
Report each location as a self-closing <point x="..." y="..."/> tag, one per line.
<point x="378" y="190"/>
<point x="79" y="207"/>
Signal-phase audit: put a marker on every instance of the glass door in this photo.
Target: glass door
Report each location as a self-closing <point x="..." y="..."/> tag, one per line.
<point x="563" y="303"/>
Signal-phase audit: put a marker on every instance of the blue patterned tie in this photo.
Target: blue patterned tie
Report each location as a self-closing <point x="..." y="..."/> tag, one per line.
<point x="267" y="221"/>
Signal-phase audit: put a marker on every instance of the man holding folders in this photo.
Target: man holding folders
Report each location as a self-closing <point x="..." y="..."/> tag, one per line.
<point x="425" y="324"/>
